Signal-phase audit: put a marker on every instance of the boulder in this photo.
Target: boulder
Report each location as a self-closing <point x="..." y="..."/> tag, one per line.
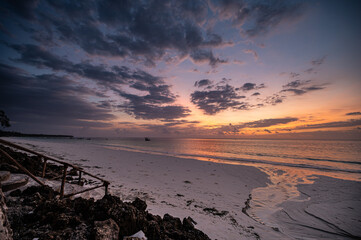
<point x="106" y="230"/>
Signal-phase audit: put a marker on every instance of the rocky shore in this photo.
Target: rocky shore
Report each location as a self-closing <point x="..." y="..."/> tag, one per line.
<point x="39" y="213"/>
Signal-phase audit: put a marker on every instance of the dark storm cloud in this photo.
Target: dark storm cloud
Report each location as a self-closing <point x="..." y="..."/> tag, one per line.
<point x="349" y="123"/>
<point x="159" y="93"/>
<point x="219" y="98"/>
<point x="251" y="86"/>
<point x="206" y="56"/>
<point x="353" y="113"/>
<point x="40" y="57"/>
<point x="202" y="83"/>
<point x="24" y="9"/>
<point x="46" y="99"/>
<point x="151" y="111"/>
<point x="138" y="29"/>
<point x="262" y="16"/>
<point x="269" y="14"/>
<point x="146" y="30"/>
<point x="152" y="105"/>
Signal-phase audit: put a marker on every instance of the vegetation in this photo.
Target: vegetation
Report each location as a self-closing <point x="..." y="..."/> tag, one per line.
<point x="4" y="120"/>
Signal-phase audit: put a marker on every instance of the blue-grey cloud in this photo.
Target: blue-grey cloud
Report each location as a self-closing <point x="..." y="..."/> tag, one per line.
<point x="49" y="99"/>
<point x="251" y="86"/>
<point x="201" y="55"/>
<point x="112" y="78"/>
<point x="141" y="30"/>
<point x="217" y="99"/>
<point x="268" y="122"/>
<point x="261" y="16"/>
<point x="203" y="83"/>
<point x="338" y="124"/>
<point x="318" y="61"/>
<point x="353" y="113"/>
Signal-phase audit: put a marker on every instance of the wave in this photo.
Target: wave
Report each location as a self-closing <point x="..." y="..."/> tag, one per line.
<point x="305" y="158"/>
<point x="232" y="160"/>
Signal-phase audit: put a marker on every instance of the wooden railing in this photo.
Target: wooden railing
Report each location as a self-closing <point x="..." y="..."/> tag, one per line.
<point x="45" y="158"/>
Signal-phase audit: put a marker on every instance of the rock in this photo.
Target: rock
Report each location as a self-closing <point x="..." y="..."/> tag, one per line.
<point x="139" y="204"/>
<point x="106" y="230"/>
<point x="35" y="216"/>
<point x="5" y="230"/>
<point x="45" y="191"/>
<point x="188" y="223"/>
<point x="215" y="212"/>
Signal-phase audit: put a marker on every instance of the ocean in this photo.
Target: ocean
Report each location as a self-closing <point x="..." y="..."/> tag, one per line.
<point x="334" y="158"/>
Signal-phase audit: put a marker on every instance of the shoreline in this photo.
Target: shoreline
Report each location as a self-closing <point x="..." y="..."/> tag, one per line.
<point x="181" y="187"/>
<point x="172" y="185"/>
<point x="329" y="208"/>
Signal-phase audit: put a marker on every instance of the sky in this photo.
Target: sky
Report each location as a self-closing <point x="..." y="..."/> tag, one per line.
<point x="190" y="68"/>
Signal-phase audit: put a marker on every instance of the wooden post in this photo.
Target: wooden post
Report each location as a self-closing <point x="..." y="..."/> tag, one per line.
<point x="44" y="168"/>
<point x="79" y="181"/>
<point x="63" y="181"/>
<point x="106" y="184"/>
<point x="21" y="167"/>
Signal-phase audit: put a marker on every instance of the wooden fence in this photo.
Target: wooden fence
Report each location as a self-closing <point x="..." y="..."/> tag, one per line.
<point x="45" y="158"/>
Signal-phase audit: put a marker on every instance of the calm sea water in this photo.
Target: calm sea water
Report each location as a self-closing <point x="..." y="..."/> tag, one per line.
<point x="331" y="156"/>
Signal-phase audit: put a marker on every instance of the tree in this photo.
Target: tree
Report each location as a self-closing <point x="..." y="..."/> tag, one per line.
<point x="4" y="120"/>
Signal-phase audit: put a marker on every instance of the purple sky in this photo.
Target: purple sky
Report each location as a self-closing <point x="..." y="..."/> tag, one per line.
<point x="226" y="68"/>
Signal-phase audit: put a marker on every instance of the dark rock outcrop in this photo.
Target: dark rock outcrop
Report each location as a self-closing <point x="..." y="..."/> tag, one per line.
<point x="37" y="212"/>
<point x="5" y="230"/>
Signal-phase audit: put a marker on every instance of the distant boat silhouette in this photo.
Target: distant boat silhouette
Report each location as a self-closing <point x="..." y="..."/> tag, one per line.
<point x="146" y="139"/>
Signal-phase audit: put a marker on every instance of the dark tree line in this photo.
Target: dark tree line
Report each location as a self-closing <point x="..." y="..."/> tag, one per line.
<point x="4" y="120"/>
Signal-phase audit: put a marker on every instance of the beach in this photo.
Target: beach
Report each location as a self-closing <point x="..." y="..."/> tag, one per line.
<point x="215" y="194"/>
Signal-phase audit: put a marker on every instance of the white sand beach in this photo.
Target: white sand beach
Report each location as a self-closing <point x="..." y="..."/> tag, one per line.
<point x="214" y="194"/>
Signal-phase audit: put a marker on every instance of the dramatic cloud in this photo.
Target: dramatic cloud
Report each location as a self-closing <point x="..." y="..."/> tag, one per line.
<point x="259" y="16"/>
<point x="300" y="87"/>
<point x="202" y="83"/>
<point x="268" y="122"/>
<point x="113" y="78"/>
<point x="353" y="113"/>
<point x="235" y="129"/>
<point x="140" y="30"/>
<point x="251" y="86"/>
<point x="296" y="84"/>
<point x="152" y="105"/>
<point x="219" y="98"/>
<point x="48" y="98"/>
<point x="206" y="56"/>
<point x="349" y="123"/>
